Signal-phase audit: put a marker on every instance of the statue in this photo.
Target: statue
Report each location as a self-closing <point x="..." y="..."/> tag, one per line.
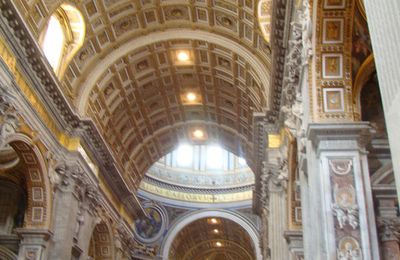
<point x="307" y="28"/>
<point x="80" y="220"/>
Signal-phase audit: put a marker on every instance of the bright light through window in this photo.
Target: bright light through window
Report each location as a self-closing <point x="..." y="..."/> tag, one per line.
<point x="214" y="157"/>
<point x="242" y="162"/>
<point x="53" y="43"/>
<point x="184" y="155"/>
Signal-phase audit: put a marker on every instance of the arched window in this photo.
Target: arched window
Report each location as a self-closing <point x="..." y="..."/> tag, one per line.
<point x="53" y="43"/>
<point x="64" y="35"/>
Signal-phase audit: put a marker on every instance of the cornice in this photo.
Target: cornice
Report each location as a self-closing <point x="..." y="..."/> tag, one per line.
<point x="339" y="132"/>
<point x="43" y="81"/>
<point x="281" y="16"/>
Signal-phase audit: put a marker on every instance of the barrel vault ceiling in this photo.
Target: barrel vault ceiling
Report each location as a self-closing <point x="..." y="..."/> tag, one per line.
<point x="222" y="239"/>
<point x="127" y="79"/>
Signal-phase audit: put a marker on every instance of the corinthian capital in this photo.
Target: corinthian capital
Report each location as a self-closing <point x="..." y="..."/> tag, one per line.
<point x="389" y="229"/>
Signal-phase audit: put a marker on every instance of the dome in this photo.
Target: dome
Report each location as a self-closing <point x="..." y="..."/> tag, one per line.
<point x="201" y="174"/>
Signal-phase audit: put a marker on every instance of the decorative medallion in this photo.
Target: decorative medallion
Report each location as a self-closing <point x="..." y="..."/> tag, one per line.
<point x="151" y="228"/>
<point x="349" y="248"/>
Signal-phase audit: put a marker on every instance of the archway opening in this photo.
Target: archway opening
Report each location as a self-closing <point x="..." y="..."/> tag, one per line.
<point x="100" y="246"/>
<point x="216" y="238"/>
<point x="13" y="205"/>
<point x="23" y="192"/>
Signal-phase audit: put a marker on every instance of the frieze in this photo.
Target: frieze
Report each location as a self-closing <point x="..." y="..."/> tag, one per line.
<point x="220" y="180"/>
<point x="218" y="190"/>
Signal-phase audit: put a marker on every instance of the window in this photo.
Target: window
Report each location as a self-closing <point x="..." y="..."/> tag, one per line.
<point x="63" y="37"/>
<point x="214" y="157"/>
<point x="53" y="43"/>
<point x="184" y="156"/>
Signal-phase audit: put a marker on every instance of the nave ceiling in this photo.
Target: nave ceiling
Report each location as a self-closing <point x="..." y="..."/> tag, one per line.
<point x="127" y="79"/>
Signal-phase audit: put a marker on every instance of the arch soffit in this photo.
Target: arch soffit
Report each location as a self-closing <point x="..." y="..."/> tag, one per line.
<point x="103" y="228"/>
<point x="7" y="254"/>
<point x="260" y="68"/>
<point x="230" y="246"/>
<point x="182" y="222"/>
<point x="38" y="184"/>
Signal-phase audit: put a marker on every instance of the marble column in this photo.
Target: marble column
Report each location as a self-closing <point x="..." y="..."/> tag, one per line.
<point x="340" y="206"/>
<point x="384" y="23"/>
<point x="34" y="243"/>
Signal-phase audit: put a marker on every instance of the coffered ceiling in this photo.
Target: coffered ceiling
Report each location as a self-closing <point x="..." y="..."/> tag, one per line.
<point x="204" y="239"/>
<point x="128" y="80"/>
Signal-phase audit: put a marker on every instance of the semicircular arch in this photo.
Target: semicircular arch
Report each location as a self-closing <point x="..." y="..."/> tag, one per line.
<point x="185" y="220"/>
<point x="38" y="214"/>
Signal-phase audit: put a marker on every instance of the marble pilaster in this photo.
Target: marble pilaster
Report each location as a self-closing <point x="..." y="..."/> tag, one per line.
<point x="339" y="193"/>
<point x="66" y="208"/>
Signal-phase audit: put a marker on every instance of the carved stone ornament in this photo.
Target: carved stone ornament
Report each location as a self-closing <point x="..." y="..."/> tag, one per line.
<point x="139" y="249"/>
<point x="277" y="175"/>
<point x="345" y="208"/>
<point x="341" y="167"/>
<point x="9" y="120"/>
<point x="307" y="26"/>
<point x="66" y="174"/>
<point x="292" y="105"/>
<point x="72" y="177"/>
<point x="389" y="229"/>
<point x="349" y="249"/>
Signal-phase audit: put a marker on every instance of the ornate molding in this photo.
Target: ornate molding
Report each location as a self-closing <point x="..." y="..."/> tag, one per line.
<point x="259" y="153"/>
<point x="45" y="84"/>
<point x="280" y="15"/>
